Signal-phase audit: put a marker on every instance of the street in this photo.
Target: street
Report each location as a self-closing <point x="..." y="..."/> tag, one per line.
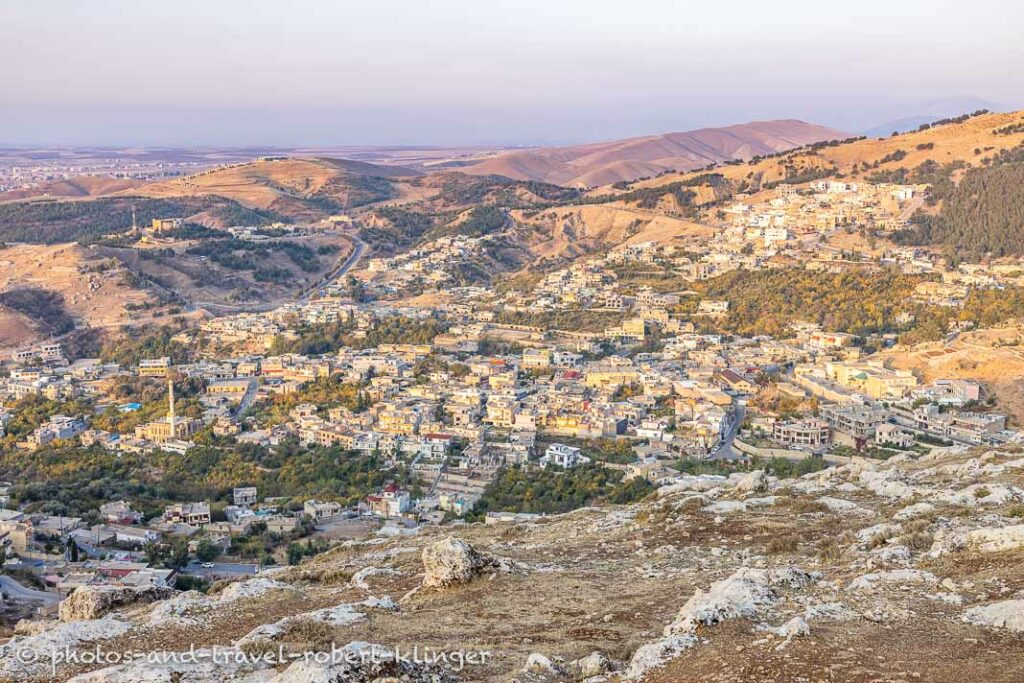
<point x="357" y="252"/>
<point x="16" y="591"/>
<point x="725" y="450"/>
<point x="219" y="569"/>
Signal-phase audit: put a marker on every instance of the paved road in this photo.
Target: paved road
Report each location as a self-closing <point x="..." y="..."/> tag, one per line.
<point x="220" y="569"/>
<point x="247" y="399"/>
<point x="725" y="450"/>
<point x="350" y="262"/>
<point x="16" y="591"/>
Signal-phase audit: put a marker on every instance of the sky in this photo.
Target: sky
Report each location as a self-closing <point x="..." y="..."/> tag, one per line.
<point x="487" y="72"/>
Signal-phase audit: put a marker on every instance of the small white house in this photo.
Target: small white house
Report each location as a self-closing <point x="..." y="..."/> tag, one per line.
<point x="563" y="456"/>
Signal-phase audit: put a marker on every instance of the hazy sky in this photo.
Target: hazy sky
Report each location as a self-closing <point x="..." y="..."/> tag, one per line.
<point x="294" y="72"/>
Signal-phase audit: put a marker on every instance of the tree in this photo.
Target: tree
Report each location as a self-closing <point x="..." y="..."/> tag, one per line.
<point x="178" y="557"/>
<point x="155" y="553"/>
<point x="207" y="551"/>
<point x="72" y="550"/>
<point x="295" y="553"/>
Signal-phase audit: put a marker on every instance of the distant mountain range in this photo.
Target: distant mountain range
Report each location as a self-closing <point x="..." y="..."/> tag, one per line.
<point x="927" y="112"/>
<point x="604" y="163"/>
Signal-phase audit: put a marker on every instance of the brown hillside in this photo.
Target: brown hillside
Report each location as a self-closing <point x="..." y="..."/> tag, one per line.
<point x="609" y="162"/>
<point x="289" y="186"/>
<point x="81" y="186"/>
<point x="569" y="232"/>
<point x="204" y="282"/>
<point x="969" y="141"/>
<point x="992" y="356"/>
<point x="93" y="289"/>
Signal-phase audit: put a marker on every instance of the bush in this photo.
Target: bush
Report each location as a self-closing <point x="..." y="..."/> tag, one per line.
<point x="783" y="544"/>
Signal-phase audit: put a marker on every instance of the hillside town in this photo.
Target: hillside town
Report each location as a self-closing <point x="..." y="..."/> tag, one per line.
<point x="457" y="342"/>
<point x="642" y="388"/>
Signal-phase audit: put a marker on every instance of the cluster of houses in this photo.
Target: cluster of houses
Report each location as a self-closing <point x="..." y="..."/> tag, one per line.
<point x="433" y="265"/>
<point x="451" y="412"/>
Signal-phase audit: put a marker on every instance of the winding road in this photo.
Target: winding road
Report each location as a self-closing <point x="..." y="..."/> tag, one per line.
<point x="15" y="591"/>
<point x="350" y="262"/>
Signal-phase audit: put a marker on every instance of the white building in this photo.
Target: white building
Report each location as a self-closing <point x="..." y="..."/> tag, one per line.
<point x="563" y="456"/>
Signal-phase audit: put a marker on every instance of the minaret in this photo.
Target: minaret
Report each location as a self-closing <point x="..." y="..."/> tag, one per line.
<point x="135" y="227"/>
<point x="170" y="415"/>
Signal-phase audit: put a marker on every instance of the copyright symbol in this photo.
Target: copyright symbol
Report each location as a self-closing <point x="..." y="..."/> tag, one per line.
<point x="27" y="656"/>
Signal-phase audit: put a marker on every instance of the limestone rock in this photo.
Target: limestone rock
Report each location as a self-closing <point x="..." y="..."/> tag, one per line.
<point x="797" y="626"/>
<point x="92" y="602"/>
<point x="1008" y="614"/>
<point x="754" y="482"/>
<point x="537" y="663"/>
<point x="453" y="561"/>
<point x="895" y="577"/>
<point x="594" y="664"/>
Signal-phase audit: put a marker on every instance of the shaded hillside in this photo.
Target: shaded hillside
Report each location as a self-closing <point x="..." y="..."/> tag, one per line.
<point x="981" y="215"/>
<point x="84" y="221"/>
<point x="224" y="271"/>
<point x="610" y="162"/>
<point x="46" y="308"/>
<point x="453" y="203"/>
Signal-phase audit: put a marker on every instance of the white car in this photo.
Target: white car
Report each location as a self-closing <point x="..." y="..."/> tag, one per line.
<point x="207" y="565"/>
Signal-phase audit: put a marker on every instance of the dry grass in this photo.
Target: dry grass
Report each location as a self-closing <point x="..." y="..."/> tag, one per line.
<point x="806" y="506"/>
<point x="829" y="550"/>
<point x="783" y="544"/>
<point x="323" y="574"/>
<point x="96" y="298"/>
<point x="308" y="635"/>
<point x="691" y="505"/>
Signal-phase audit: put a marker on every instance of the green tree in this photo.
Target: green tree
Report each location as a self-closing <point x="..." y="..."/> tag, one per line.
<point x="295" y="553"/>
<point x="207" y="551"/>
<point x="72" y="550"/>
<point x="178" y="557"/>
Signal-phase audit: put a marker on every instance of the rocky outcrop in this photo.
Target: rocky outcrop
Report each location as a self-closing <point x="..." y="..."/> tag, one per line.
<point x="899" y="577"/>
<point x="92" y="602"/>
<point x="189" y="607"/>
<point x="453" y="561"/>
<point x="743" y="594"/>
<point x="997" y="540"/>
<point x="594" y="664"/>
<point x="1008" y="614"/>
<point x="753" y="482"/>
<point x="538" y="663"/>
<point x="702" y="572"/>
<point x="985" y="540"/>
<point x="345" y="614"/>
<point x="357" y="662"/>
<point x="16" y="666"/>
<point x="747" y="593"/>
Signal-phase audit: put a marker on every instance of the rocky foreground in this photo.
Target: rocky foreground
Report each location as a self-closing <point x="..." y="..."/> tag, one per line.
<point x="908" y="570"/>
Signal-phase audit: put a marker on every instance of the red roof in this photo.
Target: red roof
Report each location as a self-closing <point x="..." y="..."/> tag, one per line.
<point x="437" y="436"/>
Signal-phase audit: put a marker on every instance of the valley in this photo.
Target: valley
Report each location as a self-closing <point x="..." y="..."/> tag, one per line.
<point x="771" y="403"/>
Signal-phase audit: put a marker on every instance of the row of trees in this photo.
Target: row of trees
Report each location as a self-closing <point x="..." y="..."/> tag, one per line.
<point x="553" y="490"/>
<point x="70" y="480"/>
